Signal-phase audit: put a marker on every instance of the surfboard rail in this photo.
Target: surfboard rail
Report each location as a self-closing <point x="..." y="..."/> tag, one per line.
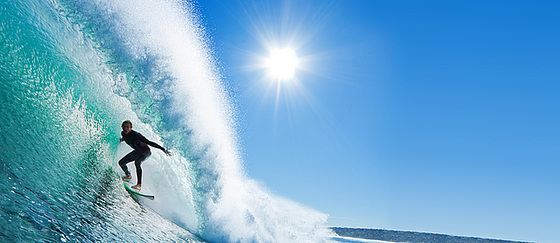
<point x="134" y="192"/>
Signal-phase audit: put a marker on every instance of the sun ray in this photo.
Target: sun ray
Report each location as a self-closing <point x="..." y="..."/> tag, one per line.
<point x="284" y="57"/>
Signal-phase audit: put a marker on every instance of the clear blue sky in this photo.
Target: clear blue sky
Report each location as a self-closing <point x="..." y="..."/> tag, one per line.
<point x="437" y="116"/>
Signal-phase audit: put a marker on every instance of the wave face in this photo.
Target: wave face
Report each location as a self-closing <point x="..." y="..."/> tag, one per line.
<point x="70" y="73"/>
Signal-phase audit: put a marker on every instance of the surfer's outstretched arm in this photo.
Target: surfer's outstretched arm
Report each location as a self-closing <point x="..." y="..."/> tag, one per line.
<point x="155" y="145"/>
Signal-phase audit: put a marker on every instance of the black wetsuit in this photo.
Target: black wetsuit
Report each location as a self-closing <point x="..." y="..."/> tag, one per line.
<point x="141" y="151"/>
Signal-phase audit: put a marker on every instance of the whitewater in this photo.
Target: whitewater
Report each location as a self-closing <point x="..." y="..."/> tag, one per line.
<point x="70" y="72"/>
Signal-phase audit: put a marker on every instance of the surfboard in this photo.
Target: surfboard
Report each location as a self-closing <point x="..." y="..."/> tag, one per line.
<point x="137" y="193"/>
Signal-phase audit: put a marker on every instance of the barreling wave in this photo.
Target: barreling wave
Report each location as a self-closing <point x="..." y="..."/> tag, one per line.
<point x="71" y="72"/>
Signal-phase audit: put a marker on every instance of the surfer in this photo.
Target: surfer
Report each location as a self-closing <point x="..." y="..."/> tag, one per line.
<point x="141" y="151"/>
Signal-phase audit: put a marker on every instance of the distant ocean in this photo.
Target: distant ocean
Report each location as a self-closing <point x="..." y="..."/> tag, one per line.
<point x="381" y="235"/>
<point x="70" y="72"/>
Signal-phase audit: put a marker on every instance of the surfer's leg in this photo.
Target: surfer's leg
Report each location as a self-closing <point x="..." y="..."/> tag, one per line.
<point x="138" y="171"/>
<point x="138" y="163"/>
<point x="125" y="160"/>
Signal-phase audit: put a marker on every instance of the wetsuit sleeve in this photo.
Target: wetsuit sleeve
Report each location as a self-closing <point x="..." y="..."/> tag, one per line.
<point x="148" y="142"/>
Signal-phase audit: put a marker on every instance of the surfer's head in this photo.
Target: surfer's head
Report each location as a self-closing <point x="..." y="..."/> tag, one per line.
<point x="126" y="126"/>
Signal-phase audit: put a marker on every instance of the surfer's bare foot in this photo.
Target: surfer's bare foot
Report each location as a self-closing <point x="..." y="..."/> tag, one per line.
<point x="137" y="187"/>
<point x="127" y="178"/>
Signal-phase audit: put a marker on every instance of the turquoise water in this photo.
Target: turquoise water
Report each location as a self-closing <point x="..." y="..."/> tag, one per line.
<point x="70" y="73"/>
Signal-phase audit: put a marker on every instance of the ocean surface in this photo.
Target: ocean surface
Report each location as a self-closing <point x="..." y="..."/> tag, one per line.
<point x="70" y="72"/>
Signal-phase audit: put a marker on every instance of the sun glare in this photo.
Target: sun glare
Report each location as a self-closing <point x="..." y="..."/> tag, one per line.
<point x="282" y="63"/>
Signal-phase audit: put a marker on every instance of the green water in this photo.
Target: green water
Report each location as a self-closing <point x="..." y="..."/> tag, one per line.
<point x="59" y="121"/>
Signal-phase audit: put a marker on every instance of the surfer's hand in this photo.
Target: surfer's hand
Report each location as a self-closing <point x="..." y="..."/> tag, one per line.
<point x="167" y="152"/>
<point x="121" y="139"/>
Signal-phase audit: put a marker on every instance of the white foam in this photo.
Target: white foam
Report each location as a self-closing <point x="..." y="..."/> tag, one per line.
<point x="224" y="203"/>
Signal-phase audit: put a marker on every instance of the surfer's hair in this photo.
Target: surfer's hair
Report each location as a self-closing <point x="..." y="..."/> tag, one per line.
<point x="127" y="122"/>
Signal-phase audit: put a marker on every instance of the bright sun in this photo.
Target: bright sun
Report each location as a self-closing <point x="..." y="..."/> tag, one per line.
<point x="282" y="63"/>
